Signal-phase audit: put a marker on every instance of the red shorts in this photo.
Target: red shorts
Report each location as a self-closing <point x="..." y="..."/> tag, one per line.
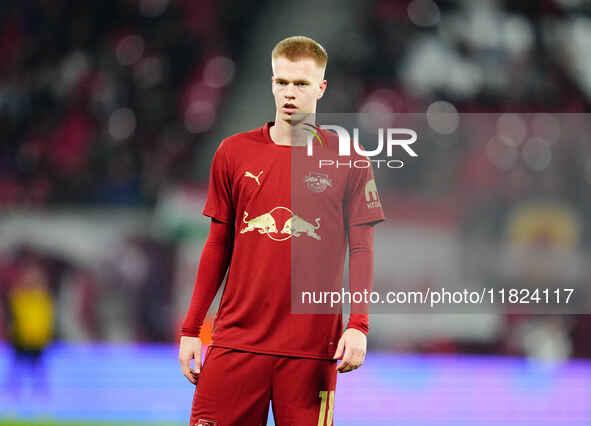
<point x="235" y="388"/>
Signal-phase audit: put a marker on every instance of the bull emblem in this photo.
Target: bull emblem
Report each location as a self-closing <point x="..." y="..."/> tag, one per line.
<point x="371" y="191"/>
<point x="317" y="182"/>
<point x="264" y="223"/>
<point x="371" y="194"/>
<point x="296" y="226"/>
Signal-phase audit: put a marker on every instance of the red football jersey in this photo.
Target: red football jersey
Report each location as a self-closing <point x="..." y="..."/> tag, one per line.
<point x="290" y="219"/>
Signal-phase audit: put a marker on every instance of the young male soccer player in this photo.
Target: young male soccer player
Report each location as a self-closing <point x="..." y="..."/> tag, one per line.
<point x="261" y="351"/>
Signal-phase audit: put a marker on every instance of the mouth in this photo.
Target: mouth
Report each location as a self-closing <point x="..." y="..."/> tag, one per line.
<point x="289" y="108"/>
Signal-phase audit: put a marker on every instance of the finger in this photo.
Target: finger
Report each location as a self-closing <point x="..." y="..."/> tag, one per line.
<point x="351" y="365"/>
<point x="190" y="377"/>
<point x="346" y="362"/>
<point x="355" y="363"/>
<point x="197" y="363"/>
<point x="344" y="367"/>
<point x="186" y="368"/>
<point x="340" y="347"/>
<point x="352" y="359"/>
<point x="358" y="357"/>
<point x="361" y="359"/>
<point x="185" y="363"/>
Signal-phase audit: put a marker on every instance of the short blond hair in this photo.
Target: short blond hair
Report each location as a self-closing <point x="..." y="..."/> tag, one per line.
<point x="299" y="47"/>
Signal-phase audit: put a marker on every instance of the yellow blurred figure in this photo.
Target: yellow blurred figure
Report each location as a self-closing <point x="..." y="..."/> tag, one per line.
<point x="30" y="304"/>
<point x="32" y="311"/>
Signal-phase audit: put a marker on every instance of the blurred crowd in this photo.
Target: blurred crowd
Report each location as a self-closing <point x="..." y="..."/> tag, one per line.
<point x="106" y="102"/>
<point x="484" y="56"/>
<point x="522" y="61"/>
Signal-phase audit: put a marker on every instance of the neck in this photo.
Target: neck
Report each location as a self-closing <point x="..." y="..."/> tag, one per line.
<point x="281" y="131"/>
<point x="284" y="133"/>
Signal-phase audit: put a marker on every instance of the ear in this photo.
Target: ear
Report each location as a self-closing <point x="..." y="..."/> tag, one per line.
<point x="322" y="88"/>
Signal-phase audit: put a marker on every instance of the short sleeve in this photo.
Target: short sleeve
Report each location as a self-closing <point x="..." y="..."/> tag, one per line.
<point x="219" y="194"/>
<point x="362" y="202"/>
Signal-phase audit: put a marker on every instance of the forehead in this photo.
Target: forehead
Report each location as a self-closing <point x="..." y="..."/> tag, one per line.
<point x="300" y="69"/>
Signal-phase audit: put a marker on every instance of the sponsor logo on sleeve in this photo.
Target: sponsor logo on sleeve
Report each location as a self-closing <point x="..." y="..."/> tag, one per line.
<point x="371" y="194"/>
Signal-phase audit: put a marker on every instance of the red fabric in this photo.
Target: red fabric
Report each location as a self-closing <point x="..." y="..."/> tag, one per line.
<point x="360" y="272"/>
<point x="213" y="265"/>
<point x="242" y="397"/>
<point x="257" y="186"/>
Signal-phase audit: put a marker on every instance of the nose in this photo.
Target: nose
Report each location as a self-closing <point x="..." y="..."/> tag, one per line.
<point x="289" y="91"/>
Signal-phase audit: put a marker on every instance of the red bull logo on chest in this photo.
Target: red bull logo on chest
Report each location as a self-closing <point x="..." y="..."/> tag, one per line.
<point x="280" y="224"/>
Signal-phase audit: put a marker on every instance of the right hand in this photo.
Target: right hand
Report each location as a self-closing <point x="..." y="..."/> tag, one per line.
<point x="189" y="349"/>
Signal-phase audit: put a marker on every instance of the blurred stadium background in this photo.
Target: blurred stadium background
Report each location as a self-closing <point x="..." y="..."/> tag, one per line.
<point x="110" y="112"/>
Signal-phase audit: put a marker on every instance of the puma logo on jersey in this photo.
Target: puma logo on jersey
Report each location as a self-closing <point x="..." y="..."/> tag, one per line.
<point x="250" y="175"/>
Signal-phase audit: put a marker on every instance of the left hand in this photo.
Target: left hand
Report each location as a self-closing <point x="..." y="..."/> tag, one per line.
<point x="351" y="350"/>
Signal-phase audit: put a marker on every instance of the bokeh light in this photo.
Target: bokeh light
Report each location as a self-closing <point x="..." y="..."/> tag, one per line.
<point x="218" y="72"/>
<point x="153" y="8"/>
<point x="121" y="124"/>
<point x="537" y="154"/>
<point x="129" y="49"/>
<point x="149" y="72"/>
<point x="424" y="13"/>
<point x="443" y="117"/>
<point x="500" y="154"/>
<point x="199" y="116"/>
<point x="546" y="126"/>
<point x="512" y="129"/>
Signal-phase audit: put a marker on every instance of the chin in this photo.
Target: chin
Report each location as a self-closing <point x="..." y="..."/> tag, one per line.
<point x="292" y="120"/>
<point x="287" y="118"/>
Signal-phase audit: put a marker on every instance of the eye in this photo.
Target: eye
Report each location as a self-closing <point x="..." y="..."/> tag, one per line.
<point x="281" y="83"/>
<point x="301" y="83"/>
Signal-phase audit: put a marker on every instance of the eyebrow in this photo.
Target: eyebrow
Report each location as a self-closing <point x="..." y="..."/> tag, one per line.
<point x="284" y="80"/>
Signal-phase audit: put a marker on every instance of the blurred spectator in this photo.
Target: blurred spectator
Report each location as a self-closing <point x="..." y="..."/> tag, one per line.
<point x="89" y="93"/>
<point x="29" y="307"/>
